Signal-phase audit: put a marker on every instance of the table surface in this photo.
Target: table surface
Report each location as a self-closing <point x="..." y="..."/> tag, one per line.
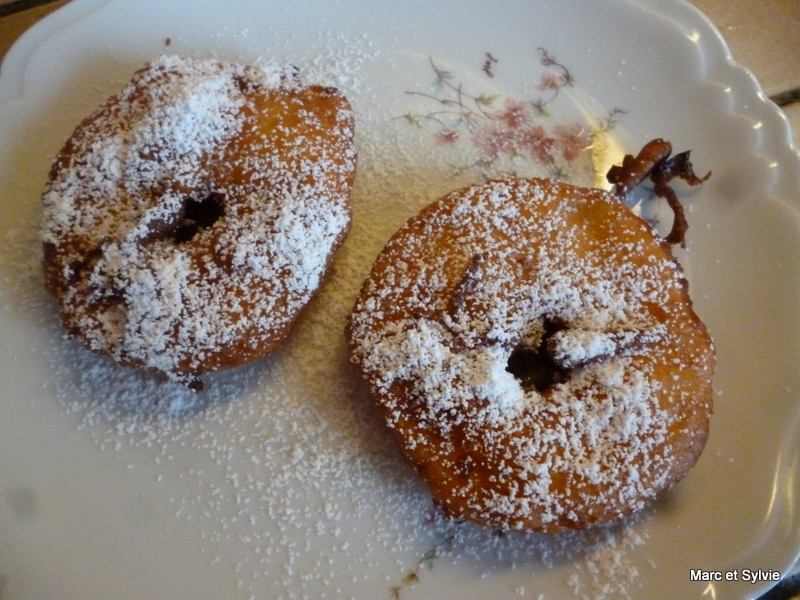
<point x="763" y="35"/>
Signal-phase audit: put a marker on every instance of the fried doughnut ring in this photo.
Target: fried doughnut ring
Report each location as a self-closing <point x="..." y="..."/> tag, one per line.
<point x="535" y="351"/>
<point x="190" y="218"/>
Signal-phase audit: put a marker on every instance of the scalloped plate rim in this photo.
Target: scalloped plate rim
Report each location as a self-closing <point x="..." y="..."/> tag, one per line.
<point x="776" y="139"/>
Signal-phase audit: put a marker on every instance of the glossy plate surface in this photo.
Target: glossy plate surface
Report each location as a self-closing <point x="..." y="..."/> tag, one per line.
<point x="280" y="482"/>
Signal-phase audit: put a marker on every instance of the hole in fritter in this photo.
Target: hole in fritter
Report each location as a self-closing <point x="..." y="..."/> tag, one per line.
<point x="534" y="367"/>
<point x="199" y="215"/>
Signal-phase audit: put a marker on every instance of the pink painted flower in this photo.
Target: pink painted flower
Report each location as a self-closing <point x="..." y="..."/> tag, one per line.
<point x="535" y="141"/>
<point x="548" y="81"/>
<point x="448" y="137"/>
<point x="570" y="140"/>
<point x="515" y="115"/>
<point x="493" y="140"/>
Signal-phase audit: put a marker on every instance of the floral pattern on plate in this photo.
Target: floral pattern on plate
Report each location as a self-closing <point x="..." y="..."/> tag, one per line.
<point x="504" y="135"/>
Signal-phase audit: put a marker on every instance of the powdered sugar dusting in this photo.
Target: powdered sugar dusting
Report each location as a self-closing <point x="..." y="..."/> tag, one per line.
<point x="129" y="282"/>
<point x="480" y="276"/>
<point x="284" y="465"/>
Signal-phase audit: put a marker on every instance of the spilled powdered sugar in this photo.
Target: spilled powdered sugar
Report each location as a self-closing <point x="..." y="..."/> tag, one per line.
<point x="301" y="493"/>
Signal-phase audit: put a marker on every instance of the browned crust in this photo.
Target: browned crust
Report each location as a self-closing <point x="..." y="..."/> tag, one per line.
<point x="285" y="128"/>
<point x="468" y="466"/>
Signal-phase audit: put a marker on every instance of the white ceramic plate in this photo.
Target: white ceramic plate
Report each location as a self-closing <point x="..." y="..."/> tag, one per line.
<point x="280" y="482"/>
